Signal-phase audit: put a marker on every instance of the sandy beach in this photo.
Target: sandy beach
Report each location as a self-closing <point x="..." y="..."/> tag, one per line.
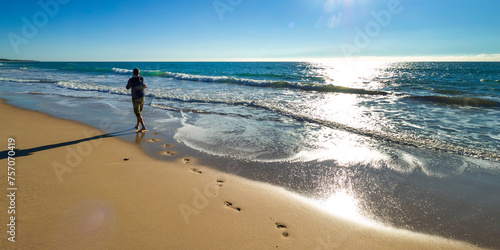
<point x="79" y="188"/>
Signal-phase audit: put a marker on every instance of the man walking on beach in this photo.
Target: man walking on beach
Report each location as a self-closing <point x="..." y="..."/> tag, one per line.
<point x="137" y="85"/>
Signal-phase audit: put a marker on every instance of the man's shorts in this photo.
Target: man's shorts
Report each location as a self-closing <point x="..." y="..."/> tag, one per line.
<point x="138" y="105"/>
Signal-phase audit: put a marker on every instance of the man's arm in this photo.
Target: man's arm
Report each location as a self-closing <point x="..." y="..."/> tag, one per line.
<point x="129" y="85"/>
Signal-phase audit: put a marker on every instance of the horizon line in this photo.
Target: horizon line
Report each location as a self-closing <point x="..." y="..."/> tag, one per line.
<point x="453" y="58"/>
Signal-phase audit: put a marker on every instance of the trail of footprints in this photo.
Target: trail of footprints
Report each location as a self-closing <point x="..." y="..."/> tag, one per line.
<point x="169" y="153"/>
<point x="280" y="226"/>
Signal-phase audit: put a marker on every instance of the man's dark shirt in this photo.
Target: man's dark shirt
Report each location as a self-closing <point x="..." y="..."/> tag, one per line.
<point x="137" y="85"/>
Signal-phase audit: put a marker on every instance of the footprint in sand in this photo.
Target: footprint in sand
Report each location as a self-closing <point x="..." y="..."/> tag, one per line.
<point x="154" y="140"/>
<point x="220" y="183"/>
<point x="126" y="159"/>
<point x="167" y="145"/>
<point x="186" y="160"/>
<point x="168" y="153"/>
<point x="282" y="227"/>
<point x="196" y="170"/>
<point x="155" y="133"/>
<point x="230" y="205"/>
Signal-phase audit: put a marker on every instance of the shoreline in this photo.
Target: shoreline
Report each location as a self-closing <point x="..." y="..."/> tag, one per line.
<point x="80" y="189"/>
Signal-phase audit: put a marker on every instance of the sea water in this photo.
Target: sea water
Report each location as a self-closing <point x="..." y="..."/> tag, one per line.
<point x="412" y="144"/>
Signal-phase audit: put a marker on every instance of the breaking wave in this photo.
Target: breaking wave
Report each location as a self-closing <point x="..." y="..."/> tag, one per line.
<point x="27" y="80"/>
<point x="306" y="86"/>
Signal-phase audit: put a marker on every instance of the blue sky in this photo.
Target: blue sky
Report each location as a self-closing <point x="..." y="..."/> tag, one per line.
<point x="74" y="30"/>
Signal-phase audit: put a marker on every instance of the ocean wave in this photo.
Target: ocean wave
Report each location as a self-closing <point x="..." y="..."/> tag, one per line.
<point x="196" y="111"/>
<point x="153" y="73"/>
<point x="64" y="95"/>
<point x="91" y="87"/>
<point x="306" y="86"/>
<point x="143" y="72"/>
<point x="318" y="79"/>
<point x="449" y="92"/>
<point x="245" y="74"/>
<point x="404" y="140"/>
<point x="458" y="101"/>
<point x="122" y="71"/>
<point x="489" y="80"/>
<point x="81" y="86"/>
<point x="27" y="80"/>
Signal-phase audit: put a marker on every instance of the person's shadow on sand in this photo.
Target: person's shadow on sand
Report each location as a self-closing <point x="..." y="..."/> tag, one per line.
<point x="26" y="152"/>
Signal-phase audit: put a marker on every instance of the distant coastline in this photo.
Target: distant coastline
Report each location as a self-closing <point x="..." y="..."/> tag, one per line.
<point x="13" y="60"/>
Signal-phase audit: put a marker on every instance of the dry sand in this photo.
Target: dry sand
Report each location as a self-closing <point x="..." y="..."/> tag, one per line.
<point x="79" y="192"/>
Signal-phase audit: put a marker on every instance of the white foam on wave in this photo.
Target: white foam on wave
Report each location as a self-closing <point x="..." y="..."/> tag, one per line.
<point x="122" y="71"/>
<point x="83" y="86"/>
<point x="489" y="80"/>
<point x="91" y="87"/>
<point x="198" y="78"/>
<point x="227" y="79"/>
<point x="307" y="86"/>
<point x="228" y="136"/>
<point x="23" y="80"/>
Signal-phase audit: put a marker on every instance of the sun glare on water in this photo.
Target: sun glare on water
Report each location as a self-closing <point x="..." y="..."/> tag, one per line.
<point x="345" y="205"/>
<point x="352" y="74"/>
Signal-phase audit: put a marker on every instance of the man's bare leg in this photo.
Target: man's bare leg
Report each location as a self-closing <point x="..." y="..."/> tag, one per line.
<point x="141" y="121"/>
<point x="137" y="125"/>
